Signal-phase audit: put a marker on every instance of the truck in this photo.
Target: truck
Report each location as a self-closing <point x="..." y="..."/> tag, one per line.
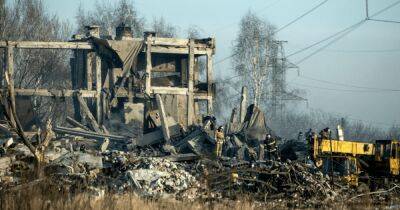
<point x="355" y="160"/>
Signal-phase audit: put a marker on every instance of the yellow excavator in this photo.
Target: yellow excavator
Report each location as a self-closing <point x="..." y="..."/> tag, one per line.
<point x="380" y="159"/>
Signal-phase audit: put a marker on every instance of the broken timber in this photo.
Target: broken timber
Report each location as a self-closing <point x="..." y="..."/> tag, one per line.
<point x="99" y="106"/>
<point x="76" y="123"/>
<point x="148" y="64"/>
<point x="86" y="111"/>
<point x="182" y="157"/>
<point x="163" y="118"/>
<point x="160" y="45"/>
<point x="88" y="134"/>
<point x="190" y="108"/>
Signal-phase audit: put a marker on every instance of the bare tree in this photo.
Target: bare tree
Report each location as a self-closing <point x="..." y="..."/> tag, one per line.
<point x="394" y="132"/>
<point x="108" y="15"/>
<point x="28" y="20"/>
<point x="252" y="52"/>
<point x="162" y="28"/>
<point x="297" y="121"/>
<point x="194" y="32"/>
<point x="2" y="15"/>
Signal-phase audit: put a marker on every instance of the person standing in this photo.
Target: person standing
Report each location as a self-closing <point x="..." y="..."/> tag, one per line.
<point x="220" y="138"/>
<point x="325" y="133"/>
<point x="272" y="148"/>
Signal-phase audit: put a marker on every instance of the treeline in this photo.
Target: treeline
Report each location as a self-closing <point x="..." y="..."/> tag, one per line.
<point x="289" y="124"/>
<point x="109" y="14"/>
<point x="28" y="20"/>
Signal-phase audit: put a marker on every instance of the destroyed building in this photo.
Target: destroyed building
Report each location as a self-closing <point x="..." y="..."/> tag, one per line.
<point x="120" y="79"/>
<point x="144" y="92"/>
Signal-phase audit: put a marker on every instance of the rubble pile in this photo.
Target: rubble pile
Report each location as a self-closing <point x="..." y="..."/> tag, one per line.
<point x="276" y="183"/>
<point x="150" y="177"/>
<point x="186" y="168"/>
<point x="292" y="182"/>
<point x="120" y="172"/>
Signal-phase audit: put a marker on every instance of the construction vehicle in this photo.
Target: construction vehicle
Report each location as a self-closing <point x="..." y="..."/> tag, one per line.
<point x="355" y="159"/>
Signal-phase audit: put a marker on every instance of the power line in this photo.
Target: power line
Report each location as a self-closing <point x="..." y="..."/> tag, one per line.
<point x="224" y="59"/>
<point x="268" y="6"/>
<point x="331" y="42"/>
<point x="324" y="39"/>
<point x="281" y="28"/>
<point x="343" y="90"/>
<point x="345" y="32"/>
<point x="230" y="78"/>
<point x="385" y="9"/>
<point x="347" y="85"/>
<point x="366" y="89"/>
<point x="301" y="16"/>
<point x="386" y="21"/>
<point x="362" y="51"/>
<point x="359" y="50"/>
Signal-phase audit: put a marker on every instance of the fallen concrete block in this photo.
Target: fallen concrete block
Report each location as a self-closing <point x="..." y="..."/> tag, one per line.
<point x="174" y="127"/>
<point x="169" y="149"/>
<point x="133" y="180"/>
<point x="58" y="169"/>
<point x="198" y="142"/>
<point x="5" y="163"/>
<point x="52" y="155"/>
<point x="72" y="162"/>
<point x="90" y="160"/>
<point x="22" y="151"/>
<point x="151" y="138"/>
<point x="148" y="175"/>
<point x="182" y="157"/>
<point x="7" y="142"/>
<point x="134" y="118"/>
<point x="184" y="141"/>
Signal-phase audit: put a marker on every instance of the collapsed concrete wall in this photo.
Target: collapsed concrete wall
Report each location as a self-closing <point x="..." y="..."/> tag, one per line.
<point x="110" y="76"/>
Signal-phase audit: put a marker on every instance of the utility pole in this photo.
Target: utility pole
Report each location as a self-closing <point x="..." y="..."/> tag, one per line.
<point x="278" y="76"/>
<point x="366" y="10"/>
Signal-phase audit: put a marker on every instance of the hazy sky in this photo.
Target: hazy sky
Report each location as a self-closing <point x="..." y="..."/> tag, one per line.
<point x="367" y="57"/>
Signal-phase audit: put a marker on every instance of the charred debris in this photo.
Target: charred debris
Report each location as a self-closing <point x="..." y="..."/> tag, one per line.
<point x="141" y="121"/>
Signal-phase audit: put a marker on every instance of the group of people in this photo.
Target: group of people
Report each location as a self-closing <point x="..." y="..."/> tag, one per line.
<point x="325" y="133"/>
<point x="267" y="148"/>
